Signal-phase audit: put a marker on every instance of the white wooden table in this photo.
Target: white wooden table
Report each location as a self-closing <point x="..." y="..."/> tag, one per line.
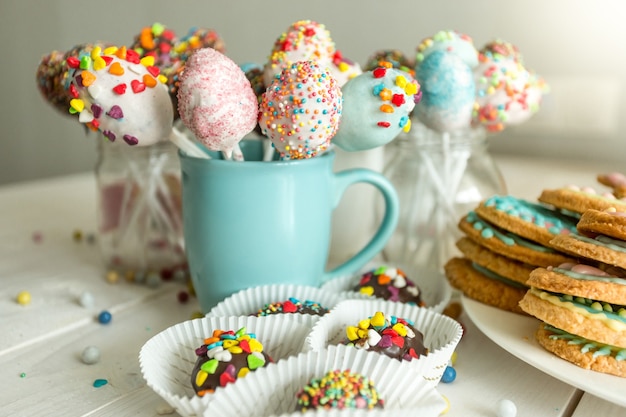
<point x="41" y="373"/>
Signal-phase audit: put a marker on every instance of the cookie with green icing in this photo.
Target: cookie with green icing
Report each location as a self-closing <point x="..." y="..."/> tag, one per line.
<point x="529" y="220"/>
<point x="600" y="248"/>
<point x="483" y="285"/>
<point x="582" y="352"/>
<point x="509" y="244"/>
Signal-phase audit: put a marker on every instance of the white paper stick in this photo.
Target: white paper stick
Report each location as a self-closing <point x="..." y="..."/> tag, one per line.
<point x="186" y="145"/>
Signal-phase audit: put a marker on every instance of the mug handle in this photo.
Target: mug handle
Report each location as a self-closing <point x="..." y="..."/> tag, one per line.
<point x="387" y="226"/>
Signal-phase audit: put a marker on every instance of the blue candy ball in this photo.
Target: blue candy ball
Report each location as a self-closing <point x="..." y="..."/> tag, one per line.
<point x="449" y="375"/>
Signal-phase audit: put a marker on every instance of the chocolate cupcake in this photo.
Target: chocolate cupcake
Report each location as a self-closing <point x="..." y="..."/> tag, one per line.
<point x="392" y="336"/>
<point x="390" y="284"/>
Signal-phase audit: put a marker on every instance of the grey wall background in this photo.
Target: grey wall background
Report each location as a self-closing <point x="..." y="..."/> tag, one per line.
<point x="577" y="45"/>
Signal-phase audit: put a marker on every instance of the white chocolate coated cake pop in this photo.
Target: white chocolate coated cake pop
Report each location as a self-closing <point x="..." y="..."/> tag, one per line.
<point x="124" y="97"/>
<point x="216" y="101"/>
<point x="300" y="110"/>
<point x="376" y="108"/>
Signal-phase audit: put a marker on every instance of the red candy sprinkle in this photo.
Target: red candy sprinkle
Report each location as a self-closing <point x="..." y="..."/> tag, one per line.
<point x="132" y="56"/>
<point x="137" y="86"/>
<point x="384" y="124"/>
<point x="73" y="91"/>
<point x="379" y="72"/>
<point x="398" y="99"/>
<point x="289" y="307"/>
<point x="107" y="59"/>
<point x="120" y="89"/>
<point x="245" y="346"/>
<point x="72" y="62"/>
<point x="154" y="71"/>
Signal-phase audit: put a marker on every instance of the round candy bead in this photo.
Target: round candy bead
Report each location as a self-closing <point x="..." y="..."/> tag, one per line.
<point x="90" y="355"/>
<point x="23" y="298"/>
<point x="449" y="375"/>
<point x="86" y="300"/>
<point x="104" y="317"/>
<point x="506" y="408"/>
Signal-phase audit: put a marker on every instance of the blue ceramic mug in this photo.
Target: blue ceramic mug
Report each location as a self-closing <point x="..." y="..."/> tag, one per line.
<point x="257" y="222"/>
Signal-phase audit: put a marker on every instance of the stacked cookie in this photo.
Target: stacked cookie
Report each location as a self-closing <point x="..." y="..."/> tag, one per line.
<point x="582" y="305"/>
<point x="505" y="239"/>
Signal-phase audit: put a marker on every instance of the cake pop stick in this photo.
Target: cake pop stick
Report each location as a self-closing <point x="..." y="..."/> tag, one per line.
<point x="300" y="110"/>
<point x="216" y="101"/>
<point x="376" y="108"/>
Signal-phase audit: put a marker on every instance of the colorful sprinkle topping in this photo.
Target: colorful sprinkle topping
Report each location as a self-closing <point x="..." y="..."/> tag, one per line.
<point x="340" y="389"/>
<point x="292" y="305"/>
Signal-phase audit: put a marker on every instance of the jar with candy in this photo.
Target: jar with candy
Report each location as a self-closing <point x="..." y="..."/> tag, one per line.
<point x="139" y="215"/>
<point x="439" y="177"/>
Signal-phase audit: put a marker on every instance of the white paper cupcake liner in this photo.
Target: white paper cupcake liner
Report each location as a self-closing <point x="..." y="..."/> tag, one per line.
<point x="249" y="301"/>
<point x="435" y="289"/>
<point x="441" y="333"/>
<point x="271" y="391"/>
<point x="168" y="358"/>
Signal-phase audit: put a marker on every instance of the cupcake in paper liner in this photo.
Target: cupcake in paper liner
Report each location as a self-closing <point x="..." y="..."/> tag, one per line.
<point x="191" y="356"/>
<point x="272" y="391"/>
<point x="391" y="283"/>
<point x="422" y="339"/>
<point x="304" y="303"/>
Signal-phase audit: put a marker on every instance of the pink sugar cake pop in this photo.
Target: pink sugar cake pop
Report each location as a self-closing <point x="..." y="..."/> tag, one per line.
<point x="376" y="108"/>
<point x="304" y="40"/>
<point x="506" y="92"/>
<point x="216" y="101"/>
<point x="300" y="110"/>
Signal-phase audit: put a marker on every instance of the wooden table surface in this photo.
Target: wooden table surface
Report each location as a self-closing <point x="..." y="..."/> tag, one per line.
<point x="41" y="373"/>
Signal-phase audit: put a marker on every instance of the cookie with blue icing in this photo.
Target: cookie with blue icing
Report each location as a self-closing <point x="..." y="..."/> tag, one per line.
<point x="529" y="220"/>
<point x="509" y="244"/>
<point x="575" y="200"/>
<point x="600" y="248"/>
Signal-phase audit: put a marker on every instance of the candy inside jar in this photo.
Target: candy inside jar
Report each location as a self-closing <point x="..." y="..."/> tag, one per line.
<point x="139" y="209"/>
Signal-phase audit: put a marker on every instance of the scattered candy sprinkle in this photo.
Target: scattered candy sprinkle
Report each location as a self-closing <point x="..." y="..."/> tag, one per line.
<point x="449" y="375"/>
<point x="453" y="358"/>
<point x="23" y="375"/>
<point x="77" y="235"/>
<point x="23" y="298"/>
<point x="112" y="277"/>
<point x="506" y="408"/>
<point x="37" y="237"/>
<point x="100" y="383"/>
<point x="183" y="297"/>
<point x="153" y="280"/>
<point x="292" y="305"/>
<point x="104" y="317"/>
<point x="86" y="300"/>
<point x="90" y="355"/>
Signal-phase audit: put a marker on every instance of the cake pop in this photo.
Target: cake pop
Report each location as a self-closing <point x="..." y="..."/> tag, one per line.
<point x="376" y="108"/>
<point x="216" y="101"/>
<point x="300" y="110"/>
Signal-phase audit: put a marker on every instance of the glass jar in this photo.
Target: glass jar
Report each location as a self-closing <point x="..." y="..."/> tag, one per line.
<point x="439" y="178"/>
<point x="140" y="229"/>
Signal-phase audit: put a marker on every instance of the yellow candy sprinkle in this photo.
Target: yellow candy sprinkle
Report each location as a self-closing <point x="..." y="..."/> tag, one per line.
<point x="361" y="333"/>
<point x="401" y="81"/>
<point x="148" y="61"/>
<point x="229" y="343"/>
<point x="99" y="63"/>
<point x="400" y="329"/>
<point x="23" y="298"/>
<point x="96" y="52"/>
<point x="77" y="104"/>
<point x="378" y="320"/>
<point x="243" y="372"/>
<point x="453" y="358"/>
<point x="407" y="126"/>
<point x="111" y="50"/>
<point x="162" y="78"/>
<point x="255" y="345"/>
<point x="367" y="290"/>
<point x="343" y="67"/>
<point x="351" y="332"/>
<point x="410" y="89"/>
<point x="243" y="337"/>
<point x="235" y="350"/>
<point x="201" y="376"/>
<point x="149" y="80"/>
<point x="364" y="324"/>
<point x="116" y="69"/>
<point x="386" y="108"/>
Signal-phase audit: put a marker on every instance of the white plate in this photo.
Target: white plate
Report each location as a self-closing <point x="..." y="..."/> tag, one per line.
<point x="516" y="334"/>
